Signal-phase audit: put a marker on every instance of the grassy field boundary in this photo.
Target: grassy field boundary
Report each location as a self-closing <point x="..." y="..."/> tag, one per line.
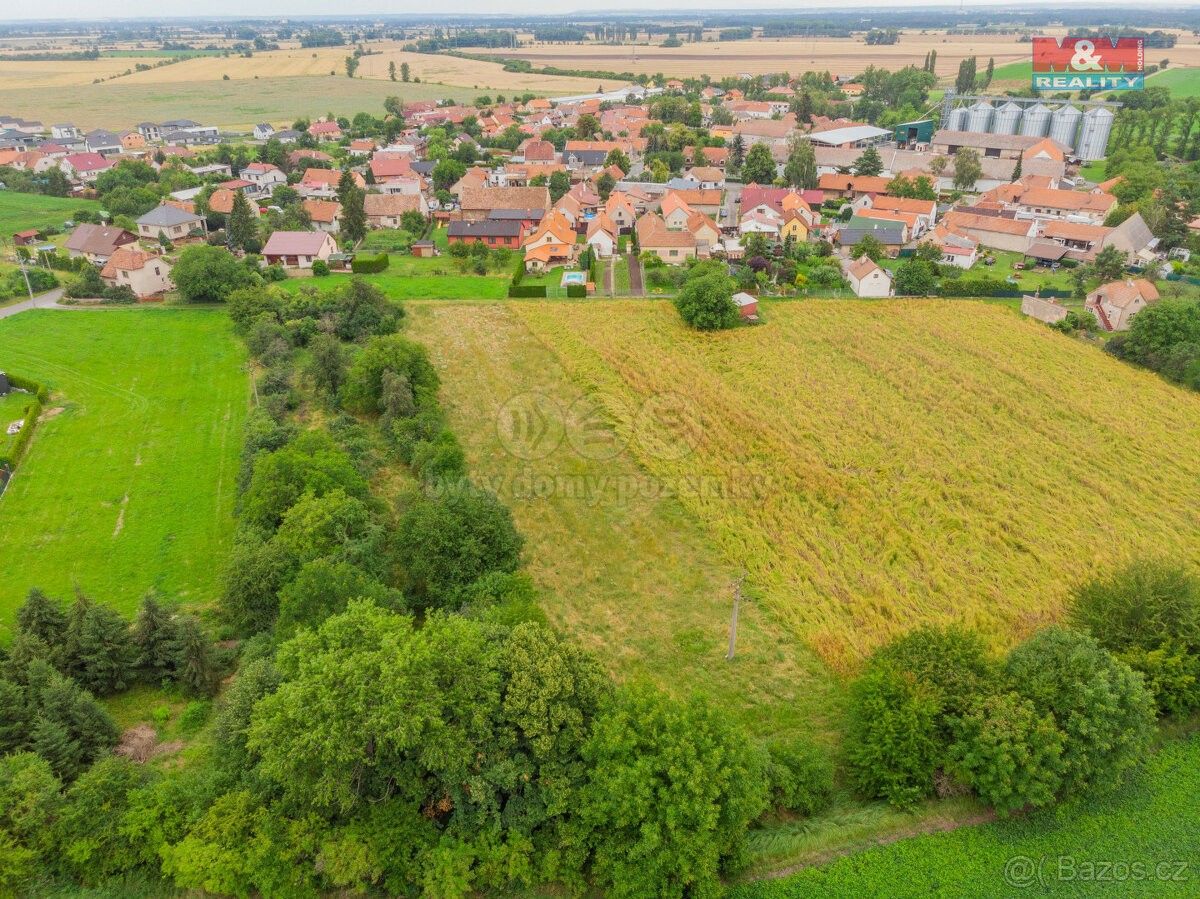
<point x="33" y="411"/>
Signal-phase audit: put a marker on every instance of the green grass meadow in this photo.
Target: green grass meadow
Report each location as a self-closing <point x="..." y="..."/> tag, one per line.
<point x="1144" y="840"/>
<point x="131" y="485"/>
<point x="20" y="212"/>
<point x="411" y="278"/>
<point x="1182" y="82"/>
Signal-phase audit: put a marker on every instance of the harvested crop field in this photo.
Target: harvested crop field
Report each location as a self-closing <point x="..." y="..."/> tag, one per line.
<point x="795" y="55"/>
<point x="874" y="466"/>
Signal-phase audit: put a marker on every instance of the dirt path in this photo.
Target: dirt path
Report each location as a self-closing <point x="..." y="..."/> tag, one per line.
<point x="610" y="276"/>
<point x="635" y="276"/>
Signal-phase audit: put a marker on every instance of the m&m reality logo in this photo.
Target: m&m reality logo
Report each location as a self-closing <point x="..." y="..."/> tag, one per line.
<point x="1088" y="64"/>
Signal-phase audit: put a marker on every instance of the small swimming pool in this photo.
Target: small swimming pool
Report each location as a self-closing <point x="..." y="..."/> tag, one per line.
<point x="574" y="278"/>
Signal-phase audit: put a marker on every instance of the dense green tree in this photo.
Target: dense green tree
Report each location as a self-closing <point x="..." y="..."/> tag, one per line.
<point x="801" y="167"/>
<point x="323" y="588"/>
<point x="604" y="185"/>
<point x="759" y="167"/>
<point x="706" y="302"/>
<point x="737" y="153"/>
<point x="29" y="804"/>
<point x="354" y="215"/>
<point x="967" y="168"/>
<point x="207" y="274"/>
<point x="42" y="617"/>
<point x="196" y="669"/>
<point x="870" y="246"/>
<point x="559" y="185"/>
<point x="869" y="162"/>
<point x="616" y="156"/>
<point x="915" y="278"/>
<point x="155" y="637"/>
<point x="326" y="365"/>
<point x="70" y="728"/>
<point x="447" y="172"/>
<point x="312" y="463"/>
<point x="1101" y="706"/>
<point x="672" y="788"/>
<point x="16" y="717"/>
<point x="103" y="657"/>
<point x="447" y="539"/>
<point x="800" y="776"/>
<point x="92" y="845"/>
<point x="1109" y="265"/>
<point x="964" y="83"/>
<point x="241" y="228"/>
<point x="363" y="390"/>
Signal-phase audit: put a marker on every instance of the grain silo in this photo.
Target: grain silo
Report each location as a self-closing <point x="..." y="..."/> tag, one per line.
<point x="979" y="116"/>
<point x="957" y="121"/>
<point x="1064" y="122"/>
<point x="1007" y="119"/>
<point x="1036" y="121"/>
<point x="1093" y="135"/>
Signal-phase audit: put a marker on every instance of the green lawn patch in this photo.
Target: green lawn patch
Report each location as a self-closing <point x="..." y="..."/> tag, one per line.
<point x="1182" y="83"/>
<point x="12" y="408"/>
<point x="412" y="278"/>
<point x="128" y="484"/>
<point x="19" y="212"/>
<point x="1141" y="841"/>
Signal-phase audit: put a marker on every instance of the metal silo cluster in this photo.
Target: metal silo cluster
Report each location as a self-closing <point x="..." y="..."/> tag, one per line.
<point x="1085" y="133"/>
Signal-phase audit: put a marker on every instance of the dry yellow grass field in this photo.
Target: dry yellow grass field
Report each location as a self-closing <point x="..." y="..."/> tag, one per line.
<point x="795" y="55"/>
<point x="626" y="570"/>
<point x="291" y="63"/>
<point x="878" y="465"/>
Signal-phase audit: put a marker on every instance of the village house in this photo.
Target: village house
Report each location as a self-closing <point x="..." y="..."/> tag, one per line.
<point x="221" y="201"/>
<point x="893" y="236"/>
<point x="853" y="186"/>
<point x="324" y="214"/>
<point x="491" y="232"/>
<point x="1045" y="310"/>
<point x="146" y="274"/>
<point x="298" y="249"/>
<point x="477" y="202"/>
<point x="867" y="279"/>
<point x="325" y="131"/>
<point x="264" y="176"/>
<point x="264" y="131"/>
<point x="958" y="249"/>
<point x="387" y="210"/>
<point x="170" y="222"/>
<point x="620" y="211"/>
<point x="602" y="236"/>
<point x="674" y="247"/>
<point x="998" y="146"/>
<point x="97" y="243"/>
<point x="84" y="167"/>
<point x="995" y="231"/>
<point x="322" y="184"/>
<point x="553" y="243"/>
<point x="924" y="210"/>
<point x="704" y="177"/>
<point x="1116" y="303"/>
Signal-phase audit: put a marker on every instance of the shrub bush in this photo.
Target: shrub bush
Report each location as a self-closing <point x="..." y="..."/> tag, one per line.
<point x="1102" y="707"/>
<point x="319" y="268"/>
<point x="800" y="777"/>
<point x="1008" y="753"/>
<point x="526" y="291"/>
<point x="577" y="291"/>
<point x="892" y="736"/>
<point x="369" y="265"/>
<point x="1148" y="615"/>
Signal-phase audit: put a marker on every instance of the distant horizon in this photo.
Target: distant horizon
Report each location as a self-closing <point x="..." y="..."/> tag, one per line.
<point x="59" y="11"/>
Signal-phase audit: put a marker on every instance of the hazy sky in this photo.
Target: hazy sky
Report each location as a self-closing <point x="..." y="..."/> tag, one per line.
<point x="125" y="9"/>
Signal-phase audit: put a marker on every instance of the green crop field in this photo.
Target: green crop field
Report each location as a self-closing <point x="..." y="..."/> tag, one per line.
<point x="19" y="212"/>
<point x="128" y="484"/>
<point x="1142" y="841"/>
<point x="1182" y="82"/>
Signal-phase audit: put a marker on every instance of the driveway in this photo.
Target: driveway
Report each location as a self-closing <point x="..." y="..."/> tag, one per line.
<point x="635" y="276"/>
<point x="46" y="300"/>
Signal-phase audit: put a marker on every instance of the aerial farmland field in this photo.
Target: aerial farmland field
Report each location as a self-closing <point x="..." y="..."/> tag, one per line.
<point x="276" y="86"/>
<point x="874" y="466"/>
<point x="128" y="484"/>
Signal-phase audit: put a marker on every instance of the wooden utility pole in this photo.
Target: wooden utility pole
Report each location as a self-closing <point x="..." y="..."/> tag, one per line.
<point x="737" y="601"/>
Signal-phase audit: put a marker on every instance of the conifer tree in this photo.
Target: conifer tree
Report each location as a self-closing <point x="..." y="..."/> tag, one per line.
<point x="155" y="637"/>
